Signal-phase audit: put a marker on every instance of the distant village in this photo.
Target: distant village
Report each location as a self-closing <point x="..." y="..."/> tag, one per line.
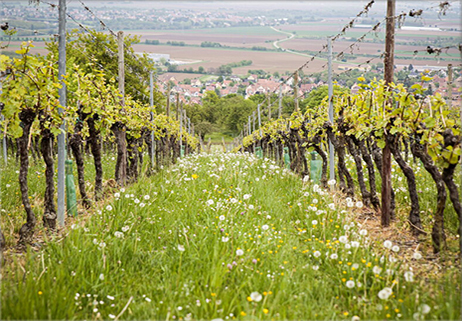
<point x="193" y="91"/>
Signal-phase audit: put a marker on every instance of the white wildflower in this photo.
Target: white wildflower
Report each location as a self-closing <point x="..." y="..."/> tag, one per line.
<point x="387" y="244"/>
<point x="409" y="276"/>
<point x="350" y="284"/>
<point x="385" y="293"/>
<point x="255" y="296"/>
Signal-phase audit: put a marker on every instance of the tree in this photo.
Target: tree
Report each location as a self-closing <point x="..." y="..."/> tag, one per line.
<point x="234" y="112"/>
<point x="316" y="96"/>
<point x="101" y="49"/>
<point x="201" y="70"/>
<point x="203" y="128"/>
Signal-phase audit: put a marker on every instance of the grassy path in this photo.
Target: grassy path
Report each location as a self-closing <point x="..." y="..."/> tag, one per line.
<point x="223" y="236"/>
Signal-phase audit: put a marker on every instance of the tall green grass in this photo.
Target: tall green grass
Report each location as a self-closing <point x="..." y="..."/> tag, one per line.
<point x="223" y="236"/>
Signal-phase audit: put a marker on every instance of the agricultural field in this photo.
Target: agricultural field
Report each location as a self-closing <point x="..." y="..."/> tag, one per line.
<point x="308" y="37"/>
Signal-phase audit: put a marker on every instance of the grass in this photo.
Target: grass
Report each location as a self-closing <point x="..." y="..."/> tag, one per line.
<point x="216" y="137"/>
<point x="12" y="217"/>
<point x="223" y="236"/>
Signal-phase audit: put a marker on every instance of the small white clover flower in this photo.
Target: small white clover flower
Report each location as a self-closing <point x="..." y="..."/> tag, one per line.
<point x="180" y="248"/>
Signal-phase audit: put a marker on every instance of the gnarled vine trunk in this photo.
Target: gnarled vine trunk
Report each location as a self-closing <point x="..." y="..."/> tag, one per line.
<point x="414" y="214"/>
<point x="438" y="235"/>
<point x="76" y="145"/>
<point x="377" y="156"/>
<point x="95" y="144"/>
<point x="26" y="232"/>
<point x="371" y="172"/>
<point x="359" y="170"/>
<point x="121" y="163"/>
<point x="49" y="213"/>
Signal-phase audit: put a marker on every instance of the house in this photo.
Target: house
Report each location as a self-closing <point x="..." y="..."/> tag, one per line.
<point x="196" y="83"/>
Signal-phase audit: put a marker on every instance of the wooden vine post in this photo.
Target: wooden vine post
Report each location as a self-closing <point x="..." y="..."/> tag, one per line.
<point x="119" y="128"/>
<point x="450" y="86"/>
<point x="386" y="153"/>
<point x="177" y="104"/>
<point x="296" y="90"/>
<point x="168" y="100"/>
